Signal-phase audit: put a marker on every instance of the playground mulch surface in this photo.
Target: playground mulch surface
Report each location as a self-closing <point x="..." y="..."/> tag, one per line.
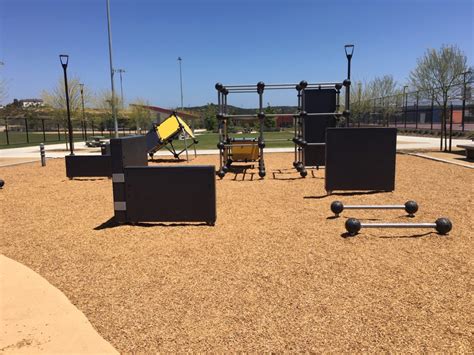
<point x="276" y="272"/>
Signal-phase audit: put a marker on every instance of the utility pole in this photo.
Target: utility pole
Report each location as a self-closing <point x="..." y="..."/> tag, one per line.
<point x="181" y="82"/>
<point x="112" y="103"/>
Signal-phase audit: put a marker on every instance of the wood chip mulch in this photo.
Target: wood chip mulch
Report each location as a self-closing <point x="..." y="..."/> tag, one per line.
<point x="274" y="274"/>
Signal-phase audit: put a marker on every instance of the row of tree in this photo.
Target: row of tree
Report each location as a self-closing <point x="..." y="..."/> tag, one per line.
<point x="439" y="76"/>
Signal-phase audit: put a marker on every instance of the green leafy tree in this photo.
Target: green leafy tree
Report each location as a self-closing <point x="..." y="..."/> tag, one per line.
<point x="437" y="74"/>
<point x="140" y="115"/>
<point x="269" y="122"/>
<point x="209" y="114"/>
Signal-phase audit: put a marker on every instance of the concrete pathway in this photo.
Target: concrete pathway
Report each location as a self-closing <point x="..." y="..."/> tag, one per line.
<point x="59" y="150"/>
<point x="35" y="317"/>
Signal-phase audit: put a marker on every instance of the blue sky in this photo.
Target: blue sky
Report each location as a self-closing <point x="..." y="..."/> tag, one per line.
<point x="228" y="41"/>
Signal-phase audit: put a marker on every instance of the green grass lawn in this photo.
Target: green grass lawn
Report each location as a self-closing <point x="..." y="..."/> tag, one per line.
<point x="272" y="139"/>
<point x="206" y="140"/>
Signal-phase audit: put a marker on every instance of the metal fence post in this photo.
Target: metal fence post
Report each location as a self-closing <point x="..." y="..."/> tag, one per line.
<point x="59" y="134"/>
<point x="432" y="111"/>
<point x="44" y="133"/>
<point x="451" y="128"/>
<point x="26" y="128"/>
<point x="416" y="110"/>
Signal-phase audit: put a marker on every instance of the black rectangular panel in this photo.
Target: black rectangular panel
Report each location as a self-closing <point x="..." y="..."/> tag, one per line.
<point x="127" y="151"/>
<point x="88" y="166"/>
<point x="319" y="100"/>
<point x="315" y="155"/>
<point x="314" y="131"/>
<point x="360" y="159"/>
<point x="171" y="194"/>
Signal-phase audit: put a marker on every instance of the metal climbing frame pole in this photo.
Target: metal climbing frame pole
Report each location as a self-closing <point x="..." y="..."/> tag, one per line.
<point x="225" y="158"/>
<point x="219" y="116"/>
<point x="261" y="116"/>
<point x="296" y="123"/>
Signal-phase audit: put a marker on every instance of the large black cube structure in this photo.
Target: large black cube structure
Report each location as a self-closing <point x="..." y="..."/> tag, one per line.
<point x="360" y="159"/>
<point x="159" y="193"/>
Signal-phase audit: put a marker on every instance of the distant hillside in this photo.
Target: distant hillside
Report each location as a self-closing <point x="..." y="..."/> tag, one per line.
<point x="244" y="111"/>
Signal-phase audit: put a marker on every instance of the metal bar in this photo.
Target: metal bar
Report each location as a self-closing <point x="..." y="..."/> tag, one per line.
<point x="398" y="225"/>
<point x="315" y="144"/>
<point x="371" y="207"/>
<point x="324" y="114"/>
<point x="241" y="117"/>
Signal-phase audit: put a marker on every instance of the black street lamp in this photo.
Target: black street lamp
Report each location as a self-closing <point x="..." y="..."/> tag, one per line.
<point x="64" y="58"/>
<point x="349" y="49"/>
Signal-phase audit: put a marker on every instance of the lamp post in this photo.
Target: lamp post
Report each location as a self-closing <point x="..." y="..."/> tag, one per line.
<point x="83" y="112"/>
<point x="114" y="114"/>
<point x="120" y="71"/>
<point x="349" y="49"/>
<point x="64" y="58"/>
<point x="181" y="82"/>
<point x="405" y="96"/>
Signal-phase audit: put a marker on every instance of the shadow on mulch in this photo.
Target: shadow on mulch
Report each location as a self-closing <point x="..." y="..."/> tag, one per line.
<point x="347" y="235"/>
<point x="346" y="194"/>
<point x="111" y="223"/>
<point x="167" y="160"/>
<point x="89" y="179"/>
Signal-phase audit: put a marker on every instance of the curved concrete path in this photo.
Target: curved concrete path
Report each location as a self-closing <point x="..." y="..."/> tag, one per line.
<point x="35" y="317"/>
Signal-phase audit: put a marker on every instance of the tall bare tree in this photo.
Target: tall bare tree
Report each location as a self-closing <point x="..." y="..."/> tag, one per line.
<point x="56" y="97"/>
<point x="438" y="73"/>
<point x="381" y="92"/>
<point x="142" y="116"/>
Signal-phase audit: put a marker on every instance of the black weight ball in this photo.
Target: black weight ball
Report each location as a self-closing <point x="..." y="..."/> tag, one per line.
<point x="2" y="183"/>
<point x="411" y="207"/>
<point x="443" y="225"/>
<point x="337" y="207"/>
<point x="353" y="226"/>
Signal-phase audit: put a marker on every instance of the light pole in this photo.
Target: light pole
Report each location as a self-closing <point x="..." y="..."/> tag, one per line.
<point x="405" y="96"/>
<point x="83" y="113"/>
<point x="181" y="82"/>
<point x="120" y="71"/>
<point x="349" y="49"/>
<point x="64" y="58"/>
<point x="114" y="114"/>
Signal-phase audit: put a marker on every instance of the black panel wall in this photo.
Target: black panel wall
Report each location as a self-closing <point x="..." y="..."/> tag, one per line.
<point x="88" y="166"/>
<point x="317" y="101"/>
<point x="360" y="159"/>
<point x="171" y="194"/>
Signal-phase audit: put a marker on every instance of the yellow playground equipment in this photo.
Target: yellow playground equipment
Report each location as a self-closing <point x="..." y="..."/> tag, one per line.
<point x="162" y="136"/>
